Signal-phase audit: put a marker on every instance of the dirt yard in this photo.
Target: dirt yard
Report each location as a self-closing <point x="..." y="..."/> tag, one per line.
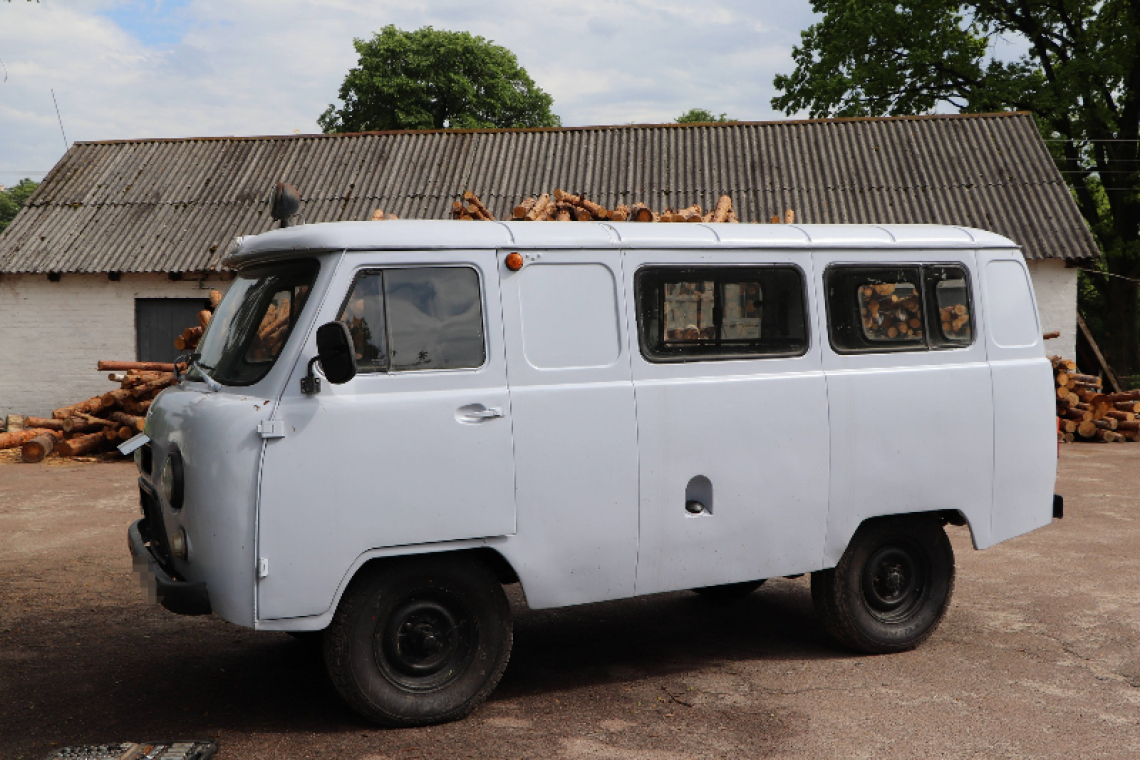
<point x="1039" y="656"/>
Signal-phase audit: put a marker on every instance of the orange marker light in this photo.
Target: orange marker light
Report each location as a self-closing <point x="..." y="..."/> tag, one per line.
<point x="514" y="261"/>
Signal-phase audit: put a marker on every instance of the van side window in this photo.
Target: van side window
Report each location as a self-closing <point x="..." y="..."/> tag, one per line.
<point x="898" y="308"/>
<point x="950" y="299"/>
<point x="416" y="319"/>
<point x="728" y="312"/>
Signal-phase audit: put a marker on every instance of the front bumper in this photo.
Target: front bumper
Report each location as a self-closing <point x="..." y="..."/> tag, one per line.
<point x="181" y="597"/>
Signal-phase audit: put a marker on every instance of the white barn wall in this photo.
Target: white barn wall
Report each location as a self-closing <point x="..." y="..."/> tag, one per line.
<point x="1055" y="286"/>
<point x="53" y="333"/>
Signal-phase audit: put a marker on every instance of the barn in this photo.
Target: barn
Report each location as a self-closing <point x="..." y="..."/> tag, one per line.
<point x="117" y="250"/>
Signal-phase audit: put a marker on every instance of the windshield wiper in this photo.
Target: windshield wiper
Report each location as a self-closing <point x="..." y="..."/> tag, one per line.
<point x="210" y="382"/>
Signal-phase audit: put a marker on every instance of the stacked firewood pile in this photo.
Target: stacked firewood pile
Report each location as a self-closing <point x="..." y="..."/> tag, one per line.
<point x="1086" y="413"/>
<point x="101" y="422"/>
<point x="561" y="206"/>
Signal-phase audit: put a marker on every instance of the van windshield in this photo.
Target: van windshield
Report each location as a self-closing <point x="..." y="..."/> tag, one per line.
<point x="254" y="321"/>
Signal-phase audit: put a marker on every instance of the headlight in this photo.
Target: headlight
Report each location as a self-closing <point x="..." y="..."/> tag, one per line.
<point x="171" y="483"/>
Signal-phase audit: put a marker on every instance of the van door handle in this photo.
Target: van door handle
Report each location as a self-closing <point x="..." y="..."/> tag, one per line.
<point x="477" y="413"/>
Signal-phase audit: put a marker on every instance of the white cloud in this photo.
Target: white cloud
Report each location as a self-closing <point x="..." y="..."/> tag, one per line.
<point x="272" y="66"/>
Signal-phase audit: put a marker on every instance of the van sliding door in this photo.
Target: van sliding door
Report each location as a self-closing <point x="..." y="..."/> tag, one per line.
<point x="731" y="415"/>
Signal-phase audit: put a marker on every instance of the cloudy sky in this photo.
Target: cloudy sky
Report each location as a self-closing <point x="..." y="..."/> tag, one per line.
<point x="181" y="68"/>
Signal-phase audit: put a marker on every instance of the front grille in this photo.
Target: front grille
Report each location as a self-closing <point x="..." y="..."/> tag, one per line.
<point x="152" y="528"/>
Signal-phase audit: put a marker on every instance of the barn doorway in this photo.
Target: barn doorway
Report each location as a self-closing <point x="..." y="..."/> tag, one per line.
<point x="158" y="321"/>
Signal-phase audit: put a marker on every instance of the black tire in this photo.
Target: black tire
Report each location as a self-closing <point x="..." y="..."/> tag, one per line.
<point x="420" y="640"/>
<point x="728" y="591"/>
<point x="891" y="588"/>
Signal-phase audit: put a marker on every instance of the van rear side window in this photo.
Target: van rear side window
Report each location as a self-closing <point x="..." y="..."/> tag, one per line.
<point x="416" y="319"/>
<point x="898" y="308"/>
<point x="729" y="312"/>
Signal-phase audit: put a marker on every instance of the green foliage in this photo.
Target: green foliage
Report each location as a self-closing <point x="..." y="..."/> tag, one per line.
<point x="429" y="79"/>
<point x="1080" y="78"/>
<point x="13" y="199"/>
<point x="701" y="116"/>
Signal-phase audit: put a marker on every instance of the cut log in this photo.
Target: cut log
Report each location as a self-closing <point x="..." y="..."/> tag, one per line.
<point x="520" y="211"/>
<point x="78" y="425"/>
<point x="789" y="216"/>
<point x="1127" y="406"/>
<point x="204" y="318"/>
<point x="639" y="212"/>
<point x="83" y="407"/>
<point x="43" y="423"/>
<point x="597" y="211"/>
<point x="1087" y="379"/>
<point x="1051" y="335"/>
<point x="1125" y="396"/>
<point x="539" y="209"/>
<point x="117" y="377"/>
<point x="1100" y="406"/>
<point x="561" y="196"/>
<point x="690" y="214"/>
<point x="35" y="449"/>
<point x="157" y="384"/>
<point x="1130" y="426"/>
<point x="377" y="215"/>
<point x="620" y="213"/>
<point x="84" y="444"/>
<point x="128" y="419"/>
<point x="14" y="422"/>
<point x="215" y="298"/>
<point x="17" y="437"/>
<point x="563" y="215"/>
<point x="1125" y="416"/>
<point x="1086" y="429"/>
<point x="108" y="366"/>
<point x="774" y="220"/>
<point x="722" y="210"/>
<point x="116" y="397"/>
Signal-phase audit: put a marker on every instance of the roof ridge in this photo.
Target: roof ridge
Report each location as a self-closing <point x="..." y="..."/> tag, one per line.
<point x="597" y="127"/>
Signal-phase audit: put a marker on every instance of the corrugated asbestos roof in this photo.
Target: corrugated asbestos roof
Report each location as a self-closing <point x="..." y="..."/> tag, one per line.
<point x="175" y="205"/>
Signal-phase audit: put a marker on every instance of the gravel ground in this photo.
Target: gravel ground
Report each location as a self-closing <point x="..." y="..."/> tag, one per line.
<point x="1038" y="657"/>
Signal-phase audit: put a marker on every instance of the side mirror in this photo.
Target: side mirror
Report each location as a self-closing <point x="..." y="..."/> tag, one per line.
<point x="334" y="350"/>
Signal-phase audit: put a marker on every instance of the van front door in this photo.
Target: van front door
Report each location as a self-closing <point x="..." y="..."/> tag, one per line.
<point x="732" y="417"/>
<point x="415" y="449"/>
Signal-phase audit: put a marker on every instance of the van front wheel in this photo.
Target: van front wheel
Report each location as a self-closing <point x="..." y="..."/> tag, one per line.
<point x="418" y="641"/>
<point x="890" y="589"/>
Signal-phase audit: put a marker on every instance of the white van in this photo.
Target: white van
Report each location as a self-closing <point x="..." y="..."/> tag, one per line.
<point x="595" y="411"/>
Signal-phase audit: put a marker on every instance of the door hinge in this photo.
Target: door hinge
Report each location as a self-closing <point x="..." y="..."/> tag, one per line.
<point x="262" y="567"/>
<point x="271" y="428"/>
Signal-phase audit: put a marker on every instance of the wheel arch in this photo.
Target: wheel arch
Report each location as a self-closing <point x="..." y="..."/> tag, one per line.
<point x="954" y="517"/>
<point x="482" y="551"/>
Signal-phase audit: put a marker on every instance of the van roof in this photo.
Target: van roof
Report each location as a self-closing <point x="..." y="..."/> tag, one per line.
<point x="435" y="235"/>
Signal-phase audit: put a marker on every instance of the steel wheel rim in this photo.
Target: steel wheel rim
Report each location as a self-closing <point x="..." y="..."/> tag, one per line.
<point x="425" y="641"/>
<point x="895" y="581"/>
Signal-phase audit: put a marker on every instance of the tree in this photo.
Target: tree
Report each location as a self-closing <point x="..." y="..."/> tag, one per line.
<point x="13" y="199"/>
<point x="430" y="79"/>
<point x="1080" y="78"/>
<point x="701" y="116"/>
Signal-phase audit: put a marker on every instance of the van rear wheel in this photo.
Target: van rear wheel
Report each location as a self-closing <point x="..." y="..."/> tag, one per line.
<point x="420" y="640"/>
<point x="891" y="588"/>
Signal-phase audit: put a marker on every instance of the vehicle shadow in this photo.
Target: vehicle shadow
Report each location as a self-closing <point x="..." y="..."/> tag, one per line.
<point x="131" y="672"/>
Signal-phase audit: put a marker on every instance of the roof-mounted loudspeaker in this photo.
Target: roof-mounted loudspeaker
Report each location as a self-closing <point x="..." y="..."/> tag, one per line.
<point x="286" y="202"/>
